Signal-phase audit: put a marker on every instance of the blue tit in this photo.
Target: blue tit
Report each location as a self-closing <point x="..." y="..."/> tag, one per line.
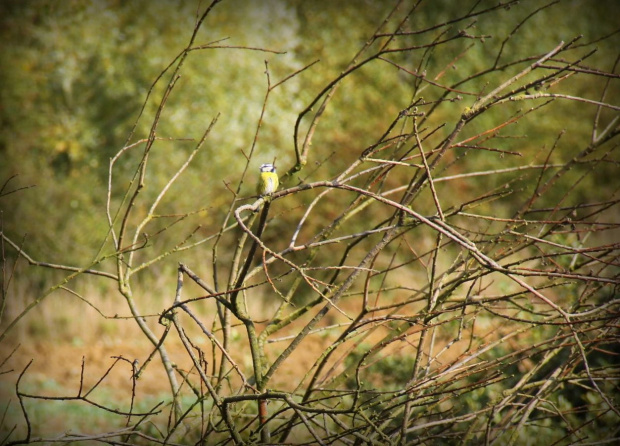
<point x="268" y="181"/>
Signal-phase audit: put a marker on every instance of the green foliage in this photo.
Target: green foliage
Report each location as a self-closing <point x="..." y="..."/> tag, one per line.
<point x="392" y="371"/>
<point x="75" y="76"/>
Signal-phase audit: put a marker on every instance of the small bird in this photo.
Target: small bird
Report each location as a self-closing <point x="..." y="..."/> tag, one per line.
<point x="268" y="180"/>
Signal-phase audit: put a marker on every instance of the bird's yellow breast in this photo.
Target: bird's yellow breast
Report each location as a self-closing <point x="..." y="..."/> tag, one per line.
<point x="268" y="183"/>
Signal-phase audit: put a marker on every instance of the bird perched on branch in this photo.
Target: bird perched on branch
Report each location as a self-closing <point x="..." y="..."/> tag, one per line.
<point x="268" y="181"/>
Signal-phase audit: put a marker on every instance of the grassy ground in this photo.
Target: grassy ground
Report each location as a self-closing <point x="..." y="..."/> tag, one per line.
<point x="59" y="335"/>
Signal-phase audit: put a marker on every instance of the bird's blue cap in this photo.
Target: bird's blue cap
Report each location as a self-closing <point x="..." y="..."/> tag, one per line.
<point x="267" y="167"/>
